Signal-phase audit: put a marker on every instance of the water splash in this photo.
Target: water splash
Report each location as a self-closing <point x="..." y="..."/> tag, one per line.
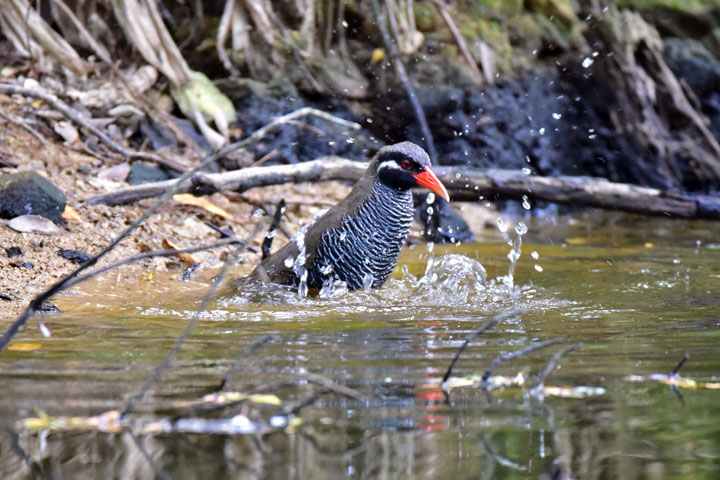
<point x="298" y="266"/>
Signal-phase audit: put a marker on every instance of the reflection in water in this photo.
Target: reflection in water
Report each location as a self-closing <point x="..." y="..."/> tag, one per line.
<point x="619" y="291"/>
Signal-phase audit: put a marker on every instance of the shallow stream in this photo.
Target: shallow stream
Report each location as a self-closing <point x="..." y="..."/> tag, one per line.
<point x="638" y="293"/>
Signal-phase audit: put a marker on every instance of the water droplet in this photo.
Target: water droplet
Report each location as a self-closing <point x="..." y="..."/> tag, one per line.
<point x="587" y="62"/>
<point x="502" y="226"/>
<point x="525" y="202"/>
<point x="521" y="228"/>
<point x="542" y="131"/>
<point x="44" y="329"/>
<point x="368" y="281"/>
<point x="345" y="23"/>
<point x="430" y="210"/>
<point x="534" y="255"/>
<point x="538" y="268"/>
<point x="526" y="171"/>
<point x="557" y="116"/>
<point x="430" y="246"/>
<point x="289" y="262"/>
<point x="430" y="198"/>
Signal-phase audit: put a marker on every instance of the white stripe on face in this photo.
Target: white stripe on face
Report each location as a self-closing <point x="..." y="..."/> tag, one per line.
<point x="389" y="164"/>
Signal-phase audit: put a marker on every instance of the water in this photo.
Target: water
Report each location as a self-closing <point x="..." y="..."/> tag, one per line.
<point x="638" y="294"/>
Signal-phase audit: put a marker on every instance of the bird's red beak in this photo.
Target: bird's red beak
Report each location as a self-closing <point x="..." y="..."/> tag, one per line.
<point x="427" y="179"/>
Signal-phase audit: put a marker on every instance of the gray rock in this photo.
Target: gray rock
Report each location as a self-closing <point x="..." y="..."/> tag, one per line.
<point x="29" y="193"/>
<point x="141" y="172"/>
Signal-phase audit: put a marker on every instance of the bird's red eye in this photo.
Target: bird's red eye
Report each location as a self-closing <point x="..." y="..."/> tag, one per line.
<point x="406" y="164"/>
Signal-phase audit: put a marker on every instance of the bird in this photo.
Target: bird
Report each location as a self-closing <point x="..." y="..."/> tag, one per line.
<point x="357" y="241"/>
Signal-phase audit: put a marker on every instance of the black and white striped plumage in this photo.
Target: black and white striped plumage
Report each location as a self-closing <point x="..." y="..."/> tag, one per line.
<point x="358" y="241"/>
<point x="364" y="248"/>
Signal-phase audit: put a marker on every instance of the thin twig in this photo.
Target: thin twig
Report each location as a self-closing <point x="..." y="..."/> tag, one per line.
<point x="329" y="384"/>
<point x="180" y="341"/>
<point x="474" y="70"/>
<point x="62" y="284"/>
<point x="257" y="343"/>
<point x="152" y="254"/>
<point x="272" y="230"/>
<point x="402" y="73"/>
<point x="490" y="324"/>
<point x="553" y="362"/>
<point x="503" y="357"/>
<point x="22" y="123"/>
<point x="680" y="364"/>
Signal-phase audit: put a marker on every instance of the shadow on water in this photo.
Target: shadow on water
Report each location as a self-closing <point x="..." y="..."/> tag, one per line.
<point x="638" y="294"/>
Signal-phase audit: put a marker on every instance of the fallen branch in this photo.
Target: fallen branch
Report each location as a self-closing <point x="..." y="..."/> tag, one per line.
<point x="326" y="168"/>
<point x="462" y="183"/>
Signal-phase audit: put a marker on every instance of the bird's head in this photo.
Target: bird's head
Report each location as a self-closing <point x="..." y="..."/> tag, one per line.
<point x="405" y="165"/>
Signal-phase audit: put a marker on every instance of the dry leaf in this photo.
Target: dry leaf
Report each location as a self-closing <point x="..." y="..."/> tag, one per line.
<point x="67" y="131"/>
<point x="70" y="214"/>
<point x="23" y="346"/>
<point x="33" y="224"/>
<point x="202" y="202"/>
<point x="187" y="259"/>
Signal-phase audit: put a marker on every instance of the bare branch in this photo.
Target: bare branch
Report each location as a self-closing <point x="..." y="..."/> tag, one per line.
<point x="463" y="185"/>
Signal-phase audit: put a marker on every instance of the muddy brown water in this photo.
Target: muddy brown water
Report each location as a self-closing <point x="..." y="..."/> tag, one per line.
<point x="638" y="293"/>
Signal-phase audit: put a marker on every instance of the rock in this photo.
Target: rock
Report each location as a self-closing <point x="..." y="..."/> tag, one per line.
<point x="142" y="172"/>
<point x="440" y="222"/>
<point x="13" y="251"/>
<point x="74" y="256"/>
<point x="29" y="193"/>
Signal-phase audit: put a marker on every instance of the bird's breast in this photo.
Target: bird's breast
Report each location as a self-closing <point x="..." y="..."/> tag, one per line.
<point x="364" y="248"/>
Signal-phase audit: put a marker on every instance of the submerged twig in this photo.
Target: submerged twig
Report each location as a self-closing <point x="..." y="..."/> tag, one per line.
<point x="330" y="385"/>
<point x="490" y="324"/>
<point x="257" y="343"/>
<point x="552" y="363"/>
<point x="680" y="364"/>
<point x="504" y="461"/>
<point x="504" y="357"/>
